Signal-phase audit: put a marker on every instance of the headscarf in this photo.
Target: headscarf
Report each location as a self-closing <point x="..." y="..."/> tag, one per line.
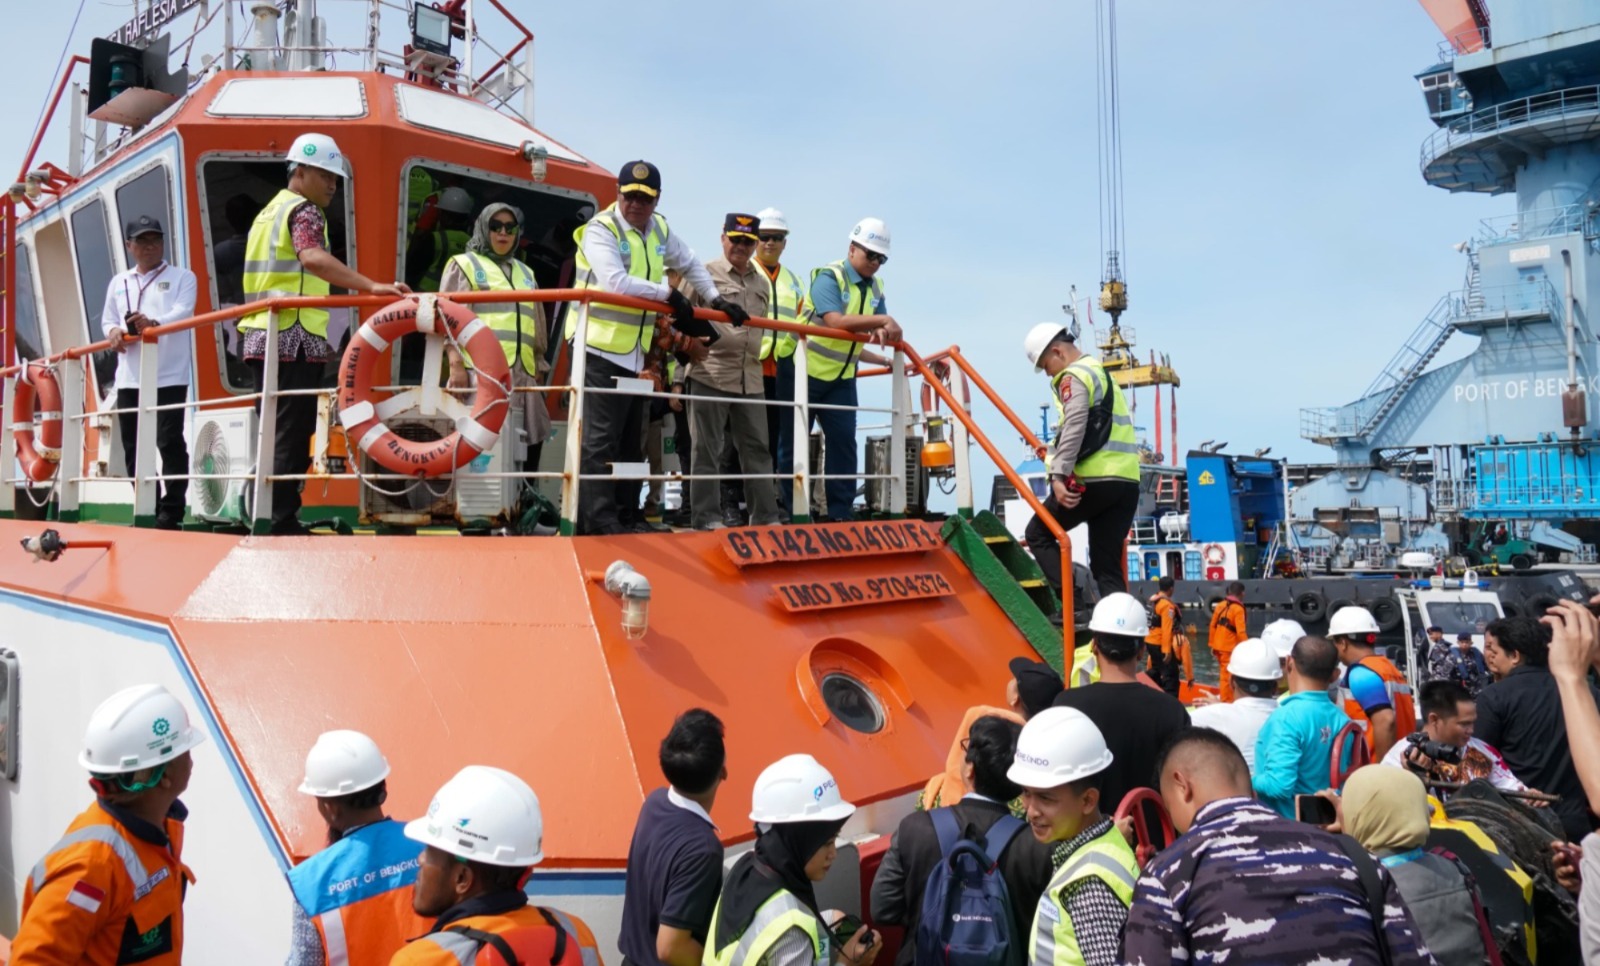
<point x="1386" y="809"/>
<point x="777" y="862"/>
<point x="479" y="243"/>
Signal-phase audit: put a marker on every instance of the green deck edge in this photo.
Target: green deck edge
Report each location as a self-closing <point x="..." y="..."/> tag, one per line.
<point x="999" y="567"/>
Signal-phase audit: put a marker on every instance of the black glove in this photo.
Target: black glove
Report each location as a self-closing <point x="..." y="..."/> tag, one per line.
<point x="684" y="321"/>
<point x="736" y="315"/>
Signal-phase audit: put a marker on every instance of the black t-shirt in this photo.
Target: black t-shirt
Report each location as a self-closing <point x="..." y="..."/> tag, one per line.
<point x="1136" y="720"/>
<point x="674" y="876"/>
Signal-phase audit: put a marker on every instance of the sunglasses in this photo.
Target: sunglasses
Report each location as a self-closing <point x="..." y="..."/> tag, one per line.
<point x="503" y="227"/>
<point x="740" y="241"/>
<point x="638" y="198"/>
<point x="774" y="238"/>
<point x="874" y="257"/>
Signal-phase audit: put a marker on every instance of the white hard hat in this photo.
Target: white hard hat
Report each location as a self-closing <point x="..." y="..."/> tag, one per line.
<point x="455" y="200"/>
<point x="343" y="763"/>
<point x="871" y="234"/>
<point x="318" y="151"/>
<point x="1120" y="613"/>
<point x="772" y="220"/>
<point x="796" y="788"/>
<point x="1039" y="338"/>
<point x="485" y="815"/>
<point x="1352" y="621"/>
<point x="1282" y="635"/>
<point x="1255" y="659"/>
<point x="1057" y="746"/>
<point x="137" y="728"/>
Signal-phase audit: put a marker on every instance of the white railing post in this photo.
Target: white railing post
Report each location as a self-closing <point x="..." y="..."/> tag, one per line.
<point x="903" y="413"/>
<point x="70" y="377"/>
<point x="267" y="429"/>
<point x="961" y="444"/>
<point x="574" y="460"/>
<point x="8" y="450"/>
<point x="145" y="484"/>
<point x="800" y="508"/>
<point x="527" y="85"/>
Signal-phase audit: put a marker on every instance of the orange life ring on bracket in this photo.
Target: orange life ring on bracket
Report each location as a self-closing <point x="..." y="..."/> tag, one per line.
<point x="362" y="417"/>
<point x="37" y="379"/>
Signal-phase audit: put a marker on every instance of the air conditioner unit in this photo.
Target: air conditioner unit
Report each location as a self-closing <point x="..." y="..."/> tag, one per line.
<point x="222" y="442"/>
<point x="916" y="475"/>
<point x="468" y="498"/>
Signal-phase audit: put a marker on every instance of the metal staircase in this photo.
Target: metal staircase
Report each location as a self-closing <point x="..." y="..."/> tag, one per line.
<point x="1408" y="364"/>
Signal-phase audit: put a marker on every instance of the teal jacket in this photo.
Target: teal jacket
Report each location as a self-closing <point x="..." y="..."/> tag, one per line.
<point x="1294" y="748"/>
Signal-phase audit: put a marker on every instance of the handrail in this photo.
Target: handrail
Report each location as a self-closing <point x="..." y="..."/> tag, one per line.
<point x="44" y="123"/>
<point x="1016" y="422"/>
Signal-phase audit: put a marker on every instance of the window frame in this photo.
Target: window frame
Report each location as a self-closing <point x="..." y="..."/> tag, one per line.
<point x="167" y="222"/>
<point x="25" y="270"/>
<point x="91" y="320"/>
<point x="10" y="669"/>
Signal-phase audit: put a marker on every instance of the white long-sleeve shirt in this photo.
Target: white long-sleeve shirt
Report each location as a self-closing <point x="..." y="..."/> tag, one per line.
<point x="604" y="253"/>
<point x="164" y="294"/>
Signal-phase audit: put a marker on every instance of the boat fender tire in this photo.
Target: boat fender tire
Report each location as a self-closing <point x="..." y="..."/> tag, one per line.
<point x="39" y="455"/>
<point x="1538" y="604"/>
<point x="1386" y="612"/>
<point x="1338" y="604"/>
<point x="1310" y="606"/>
<point x="475" y="433"/>
<point x="1214" y="600"/>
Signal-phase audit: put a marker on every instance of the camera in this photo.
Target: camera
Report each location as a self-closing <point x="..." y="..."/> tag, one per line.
<point x="1437" y="750"/>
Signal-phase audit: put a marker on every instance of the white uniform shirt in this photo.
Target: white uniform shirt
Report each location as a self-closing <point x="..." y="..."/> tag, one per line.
<point x="165" y="294"/>
<point x="1240" y="720"/>
<point x="604" y="253"/>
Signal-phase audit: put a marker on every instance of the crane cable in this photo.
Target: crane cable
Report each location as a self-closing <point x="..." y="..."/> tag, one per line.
<point x="1109" y="125"/>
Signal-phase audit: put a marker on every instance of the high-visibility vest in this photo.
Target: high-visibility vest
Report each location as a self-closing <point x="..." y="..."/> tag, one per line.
<point x="105" y="895"/>
<point x="832" y="359"/>
<point x="612" y="328"/>
<point x="272" y="269"/>
<point x="447" y="243"/>
<point x="776" y="916"/>
<point x="515" y="324"/>
<point x="1107" y="858"/>
<point x="1162" y="633"/>
<point x="357" y="892"/>
<point x="533" y="935"/>
<point x="419" y="194"/>
<point x="1085" y="668"/>
<point x="1399" y="691"/>
<point x="788" y="301"/>
<point x="1119" y="457"/>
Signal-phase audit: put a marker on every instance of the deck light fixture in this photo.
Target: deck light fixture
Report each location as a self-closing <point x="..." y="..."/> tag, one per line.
<point x="633" y="589"/>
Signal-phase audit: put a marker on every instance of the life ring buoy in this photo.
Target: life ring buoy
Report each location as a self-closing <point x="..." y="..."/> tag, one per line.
<point x="1214" y="554"/>
<point x="37" y="380"/>
<point x="475" y="433"/>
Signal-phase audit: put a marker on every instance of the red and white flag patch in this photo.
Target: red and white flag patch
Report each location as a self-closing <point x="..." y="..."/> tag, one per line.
<point x="86" y="896"/>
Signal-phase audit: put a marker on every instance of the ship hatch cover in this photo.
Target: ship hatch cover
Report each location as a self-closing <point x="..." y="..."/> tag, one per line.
<point x="290" y="97"/>
<point x="453" y="114"/>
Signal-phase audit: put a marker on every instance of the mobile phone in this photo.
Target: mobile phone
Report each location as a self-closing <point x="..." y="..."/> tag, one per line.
<point x="1315" y="810"/>
<point x="845" y="929"/>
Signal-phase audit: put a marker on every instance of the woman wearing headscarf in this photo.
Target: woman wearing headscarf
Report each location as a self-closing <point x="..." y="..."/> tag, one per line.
<point x="1386" y="810"/>
<point x="490" y="264"/>
<point x="768" y="914"/>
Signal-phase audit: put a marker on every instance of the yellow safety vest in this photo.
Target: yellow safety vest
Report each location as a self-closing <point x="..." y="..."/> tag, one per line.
<point x="612" y="328"/>
<point x="514" y="325"/>
<point x="831" y="359"/>
<point x="447" y="243"/>
<point x="1107" y="858"/>
<point x="1085" y="669"/>
<point x="1119" y="457"/>
<point x="788" y="300"/>
<point x="272" y="270"/>
<point x="419" y="188"/>
<point x="776" y="916"/>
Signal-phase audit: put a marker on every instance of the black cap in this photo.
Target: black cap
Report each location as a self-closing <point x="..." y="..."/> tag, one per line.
<point x="1463" y="636"/>
<point x="142" y="225"/>
<point x="1037" y="684"/>
<point x="742" y="225"/>
<point x="1435" y="629"/>
<point x="639" y="176"/>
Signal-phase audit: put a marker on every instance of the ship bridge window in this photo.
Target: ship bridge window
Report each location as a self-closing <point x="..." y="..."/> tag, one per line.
<point x="442" y="202"/>
<point x="147" y="194"/>
<point x="232" y="191"/>
<point x="91" y="246"/>
<point x="29" y="343"/>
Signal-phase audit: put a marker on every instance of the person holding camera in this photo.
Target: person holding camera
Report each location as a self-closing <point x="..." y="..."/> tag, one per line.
<point x="149" y="294"/>
<point x="1445" y="750"/>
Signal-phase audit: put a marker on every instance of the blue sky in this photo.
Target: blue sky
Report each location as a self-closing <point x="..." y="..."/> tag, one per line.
<point x="1280" y="242"/>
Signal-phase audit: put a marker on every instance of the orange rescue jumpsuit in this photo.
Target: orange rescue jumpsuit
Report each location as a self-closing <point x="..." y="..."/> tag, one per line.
<point x="1226" y="631"/>
<point x="533" y="934"/>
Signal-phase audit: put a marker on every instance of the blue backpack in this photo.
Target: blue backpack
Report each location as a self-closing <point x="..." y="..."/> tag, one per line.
<point x="966" y="915"/>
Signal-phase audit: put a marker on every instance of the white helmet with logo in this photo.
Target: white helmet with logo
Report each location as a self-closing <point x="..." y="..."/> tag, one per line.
<point x="456" y="201"/>
<point x="871" y="234"/>
<point x="1282" y="635"/>
<point x="796" y="788"/>
<point x="1256" y="660"/>
<point x="1057" y="746"/>
<point x="343" y="763"/>
<point x="772" y="220"/>
<point x="1352" y="622"/>
<point x="484" y="815"/>
<point x="1120" y="613"/>
<point x="318" y="151"/>
<point x="137" y="728"/>
<point x="1039" y="338"/>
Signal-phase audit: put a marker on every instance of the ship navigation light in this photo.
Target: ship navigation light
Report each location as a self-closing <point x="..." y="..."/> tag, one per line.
<point x="633" y="589"/>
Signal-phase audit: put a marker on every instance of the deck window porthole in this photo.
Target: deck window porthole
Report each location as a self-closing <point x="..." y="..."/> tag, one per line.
<point x="853" y="703"/>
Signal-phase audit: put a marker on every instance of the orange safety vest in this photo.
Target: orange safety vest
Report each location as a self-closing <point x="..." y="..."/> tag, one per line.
<point x="357" y="892"/>
<point x="1166" y="624"/>
<point x="102" y="895"/>
<point x="535" y="936"/>
<point x="1221" y="638"/>
<point x="1405" y="716"/>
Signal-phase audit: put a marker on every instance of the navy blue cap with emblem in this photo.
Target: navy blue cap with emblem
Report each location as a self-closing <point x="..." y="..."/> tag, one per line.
<point x="640" y="176"/>
<point x="735" y="225"/>
<point x="142" y="225"/>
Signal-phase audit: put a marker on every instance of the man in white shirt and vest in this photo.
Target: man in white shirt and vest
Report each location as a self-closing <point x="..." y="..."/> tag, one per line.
<point x="152" y="293"/>
<point x="626" y="249"/>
